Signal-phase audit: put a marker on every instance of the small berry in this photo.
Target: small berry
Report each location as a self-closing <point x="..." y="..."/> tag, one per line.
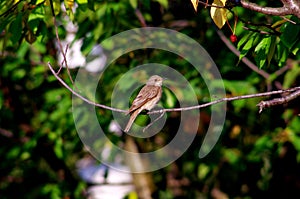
<point x="233" y="38"/>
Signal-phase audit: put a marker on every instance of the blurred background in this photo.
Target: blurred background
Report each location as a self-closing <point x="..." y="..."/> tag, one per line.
<point x="41" y="154"/>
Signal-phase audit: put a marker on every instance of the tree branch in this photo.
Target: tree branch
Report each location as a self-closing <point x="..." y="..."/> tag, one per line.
<point x="264" y="104"/>
<point x="265" y="94"/>
<point x="63" y="52"/>
<point x="278" y="101"/>
<point x="290" y="7"/>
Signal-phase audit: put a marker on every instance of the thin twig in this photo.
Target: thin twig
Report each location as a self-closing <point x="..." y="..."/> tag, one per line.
<point x="262" y="32"/>
<point x="162" y="114"/>
<point x="291" y="21"/>
<point x="63" y="61"/>
<point x="80" y="96"/>
<point x="6" y="133"/>
<point x="59" y="44"/>
<point x="210" y="5"/>
<point x="283" y="69"/>
<point x="140" y="17"/>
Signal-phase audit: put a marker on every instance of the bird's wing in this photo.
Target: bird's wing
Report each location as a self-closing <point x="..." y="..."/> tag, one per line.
<point x="146" y="93"/>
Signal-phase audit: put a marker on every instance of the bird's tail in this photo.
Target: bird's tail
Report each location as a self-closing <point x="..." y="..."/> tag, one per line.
<point x="131" y="119"/>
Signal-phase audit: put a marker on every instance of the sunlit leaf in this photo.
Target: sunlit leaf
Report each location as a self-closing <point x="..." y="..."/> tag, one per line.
<point x="170" y="101"/>
<point x="164" y="3"/>
<point x="58" y="148"/>
<point x="69" y="3"/>
<point x="133" y="3"/>
<point x="82" y="1"/>
<point x="195" y="4"/>
<point x="203" y="171"/>
<point x="55" y="4"/>
<point x="291" y="75"/>
<point x="232" y="155"/>
<point x="39" y="1"/>
<point x="219" y="15"/>
<point x="243" y="40"/>
<point x="248" y="45"/>
<point x="262" y="50"/>
<point x="296" y="48"/>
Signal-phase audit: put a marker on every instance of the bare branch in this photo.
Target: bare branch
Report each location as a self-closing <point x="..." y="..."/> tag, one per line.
<point x="6" y="133"/>
<point x="265" y="94"/>
<point x="278" y="101"/>
<point x="262" y="104"/>
<point x="290" y="7"/>
<point x="140" y="17"/>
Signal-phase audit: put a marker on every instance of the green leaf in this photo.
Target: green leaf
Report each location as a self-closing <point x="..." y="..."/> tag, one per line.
<point x="16" y="29"/>
<point x="58" y="148"/>
<point x="133" y="3"/>
<point x="296" y="48"/>
<point x="291" y="33"/>
<point x="18" y="74"/>
<point x="249" y="44"/>
<point x="244" y="39"/>
<point x="239" y="87"/>
<point x="294" y="138"/>
<point x="164" y="3"/>
<point x="170" y="100"/>
<point x="56" y="6"/>
<point x="39" y="2"/>
<point x="203" y="171"/>
<point x="232" y="155"/>
<point x="1" y="99"/>
<point x="82" y="1"/>
<point x="91" y="5"/>
<point x="271" y="50"/>
<point x="262" y="50"/>
<point x="291" y="76"/>
<point x="282" y="54"/>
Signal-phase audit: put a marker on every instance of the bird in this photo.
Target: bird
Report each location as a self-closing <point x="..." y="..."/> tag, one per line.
<point x="146" y="99"/>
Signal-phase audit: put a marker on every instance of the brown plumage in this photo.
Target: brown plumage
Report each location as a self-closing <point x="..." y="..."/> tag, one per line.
<point x="147" y="98"/>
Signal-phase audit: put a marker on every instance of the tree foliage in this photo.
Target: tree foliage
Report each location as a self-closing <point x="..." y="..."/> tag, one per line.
<point x="257" y="154"/>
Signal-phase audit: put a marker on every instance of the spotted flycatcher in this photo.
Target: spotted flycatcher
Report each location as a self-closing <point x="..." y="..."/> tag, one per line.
<point x="147" y="98"/>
